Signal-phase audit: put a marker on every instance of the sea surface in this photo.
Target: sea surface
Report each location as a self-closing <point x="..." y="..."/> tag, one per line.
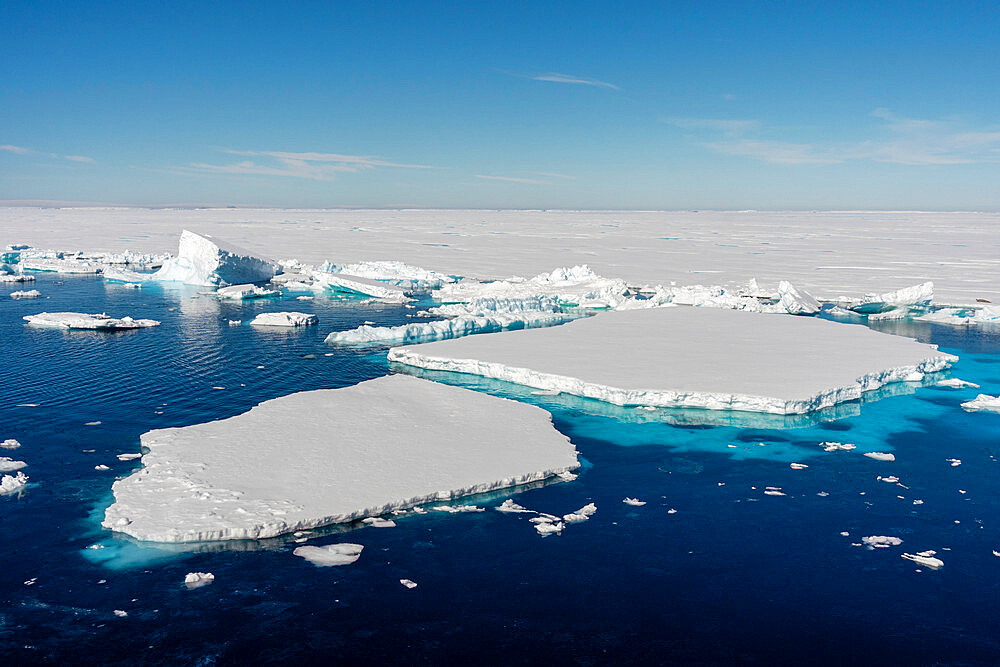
<point x="711" y="570"/>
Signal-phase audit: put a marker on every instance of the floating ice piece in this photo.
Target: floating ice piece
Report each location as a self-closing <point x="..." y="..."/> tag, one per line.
<point x="357" y="285"/>
<point x="511" y="507"/>
<point x="458" y="509"/>
<point x="409" y="583"/>
<point x="880" y="541"/>
<point x="581" y="514"/>
<point x="486" y="306"/>
<point x="204" y="260"/>
<point x="205" y="482"/>
<point x="378" y="522"/>
<point x="982" y="402"/>
<point x="15" y="277"/>
<point x="963" y="316"/>
<point x="59" y="265"/>
<point x="658" y="357"/>
<point x="956" y="383"/>
<point x="773" y="491"/>
<point x="8" y="464"/>
<point x="917" y="296"/>
<point x="925" y="558"/>
<point x="305" y="298"/>
<point x="25" y="294"/>
<point x="243" y="292"/>
<point x="127" y="276"/>
<point x="121" y="613"/>
<point x="420" y="332"/>
<point x="129" y="456"/>
<point x="198" y="579"/>
<point x="285" y="319"/>
<point x="10" y="443"/>
<point x="12" y="483"/>
<point x="836" y="446"/>
<point x="547" y="528"/>
<point x="881" y="456"/>
<point x="101" y="467"/>
<point x="577" y="285"/>
<point x="635" y="502"/>
<point x="235" y="323"/>
<point x="797" y="466"/>
<point x="954" y="462"/>
<point x="797" y="302"/>
<point x="85" y="321"/>
<point x="333" y="554"/>
<point x="394" y="272"/>
<point x="891" y="479"/>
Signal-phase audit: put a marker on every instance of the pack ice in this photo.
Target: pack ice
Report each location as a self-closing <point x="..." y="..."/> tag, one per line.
<point x="205" y="260"/>
<point x="691" y="357"/>
<point x="331" y="456"/>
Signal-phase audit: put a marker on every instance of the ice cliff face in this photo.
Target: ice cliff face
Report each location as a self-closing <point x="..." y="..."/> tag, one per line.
<point x="204" y="260"/>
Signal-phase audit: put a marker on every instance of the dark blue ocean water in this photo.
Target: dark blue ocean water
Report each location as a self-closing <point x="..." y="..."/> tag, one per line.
<point x="732" y="576"/>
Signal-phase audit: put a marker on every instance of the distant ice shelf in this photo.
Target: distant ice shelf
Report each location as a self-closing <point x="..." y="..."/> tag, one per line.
<point x="332" y="456"/>
<point x="691" y="357"/>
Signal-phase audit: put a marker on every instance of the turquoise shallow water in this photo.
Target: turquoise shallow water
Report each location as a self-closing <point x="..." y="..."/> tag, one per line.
<point x="732" y="575"/>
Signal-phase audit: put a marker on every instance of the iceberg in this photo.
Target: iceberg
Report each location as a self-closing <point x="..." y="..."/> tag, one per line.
<point x="25" y="294"/>
<point x="86" y="321"/>
<point x="198" y="579"/>
<point x="243" y="292"/>
<point x="635" y="502"/>
<point x="881" y="541"/>
<point x="205" y="260"/>
<point x="8" y="464"/>
<point x="983" y="402"/>
<point x="797" y="302"/>
<point x="917" y="296"/>
<point x="10" y="443"/>
<point x="334" y="554"/>
<point x="284" y="319"/>
<point x="690" y="357"/>
<point x="12" y="483"/>
<point x="333" y="456"/>
<point x="577" y="285"/>
<point x="120" y="275"/>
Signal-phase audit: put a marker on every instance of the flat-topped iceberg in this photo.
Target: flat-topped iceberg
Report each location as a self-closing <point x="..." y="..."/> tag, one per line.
<point x="243" y="292"/>
<point x="331" y="456"/>
<point x="87" y="321"/>
<point x="691" y="357"/>
<point x="285" y="319"/>
<point x="205" y="260"/>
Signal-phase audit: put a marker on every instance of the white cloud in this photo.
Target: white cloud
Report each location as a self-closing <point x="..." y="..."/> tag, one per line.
<point x="78" y="158"/>
<point x="20" y="150"/>
<point x="309" y="165"/>
<point x="512" y="179"/>
<point x="553" y="77"/>
<point x="14" y="149"/>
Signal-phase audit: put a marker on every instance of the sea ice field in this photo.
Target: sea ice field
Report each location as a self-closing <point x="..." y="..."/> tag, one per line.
<point x="867" y="530"/>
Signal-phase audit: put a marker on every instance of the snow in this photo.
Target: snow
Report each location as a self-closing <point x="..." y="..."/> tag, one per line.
<point x="313" y="458"/>
<point x="983" y="402"/>
<point x="204" y="260"/>
<point x="333" y="554"/>
<point x="956" y="383"/>
<point x="797" y="302"/>
<point x="242" y="292"/>
<point x="8" y="464"/>
<point x="86" y="321"/>
<point x="881" y="456"/>
<point x="25" y="294"/>
<point x="11" y="483"/>
<point x="198" y="579"/>
<point x="690" y="357"/>
<point x="285" y="319"/>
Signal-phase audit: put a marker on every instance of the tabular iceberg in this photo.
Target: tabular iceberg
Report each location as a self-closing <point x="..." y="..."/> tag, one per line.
<point x="691" y="357"/>
<point x="285" y="319"/>
<point x="332" y="456"/>
<point x="205" y="260"/>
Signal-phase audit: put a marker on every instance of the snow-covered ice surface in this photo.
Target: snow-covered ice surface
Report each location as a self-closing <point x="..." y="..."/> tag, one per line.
<point x="285" y="319"/>
<point x="691" y="357"/>
<point x="326" y="465"/>
<point x="87" y="321"/>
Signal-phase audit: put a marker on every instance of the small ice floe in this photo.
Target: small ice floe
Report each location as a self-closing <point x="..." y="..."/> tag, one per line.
<point x="409" y="583"/>
<point x="822" y="494"/>
<point x="567" y="476"/>
<point x="132" y="285"/>
<point x="305" y="298"/>
<point x="635" y="502"/>
<point x="891" y="479"/>
<point x="880" y="541"/>
<point x="982" y="402"/>
<point x="845" y="534"/>
<point x="881" y="456"/>
<point x="333" y="554"/>
<point x="129" y="457"/>
<point x="101" y="467"/>
<point x="457" y="509"/>
<point x="235" y="323"/>
<point x="773" y="491"/>
<point x="962" y="491"/>
<point x="510" y="507"/>
<point x="10" y="443"/>
<point x="547" y="528"/>
<point x="582" y="514"/>
<point x="285" y="319"/>
<point x="925" y="558"/>
<point x="8" y="464"/>
<point x="100" y="321"/>
<point x="198" y="579"/>
<point x="955" y="383"/>
<point x="31" y="582"/>
<point x="26" y="405"/>
<point x="242" y="292"/>
<point x="797" y="466"/>
<point x="918" y="502"/>
<point x="378" y="522"/>
<point x="121" y="613"/>
<point x="954" y="462"/>
<point x="97" y="423"/>
<point x="671" y="511"/>
<point x="25" y="294"/>
<point x="12" y="483"/>
<point x="996" y="553"/>
<point x="546" y="392"/>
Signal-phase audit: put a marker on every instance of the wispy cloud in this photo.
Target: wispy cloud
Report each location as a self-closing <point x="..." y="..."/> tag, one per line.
<point x="14" y="149"/>
<point x="78" y="158"/>
<point x="554" y="77"/>
<point x="901" y="140"/>
<point x="309" y="165"/>
<point x="512" y="179"/>
<point x="21" y="150"/>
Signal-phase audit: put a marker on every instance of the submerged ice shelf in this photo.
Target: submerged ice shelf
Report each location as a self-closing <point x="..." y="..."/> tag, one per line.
<point x="691" y="357"/>
<point x="332" y="456"/>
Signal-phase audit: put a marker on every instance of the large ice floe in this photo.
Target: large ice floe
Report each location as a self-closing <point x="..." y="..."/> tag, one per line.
<point x="691" y="357"/>
<point x="332" y="456"/>
<point x="205" y="260"/>
<point x="285" y="319"/>
<point x="87" y="321"/>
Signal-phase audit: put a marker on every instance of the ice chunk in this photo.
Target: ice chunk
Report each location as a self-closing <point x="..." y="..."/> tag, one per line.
<point x="881" y="541"/>
<point x="16" y="278"/>
<point x="10" y="443"/>
<point x="420" y="332"/>
<point x="509" y="506"/>
<point x="925" y="558"/>
<point x="635" y="502"/>
<point x="378" y="522"/>
<point x="235" y="323"/>
<point x="121" y="613"/>
<point x="658" y="357"/>
<point x="333" y="554"/>
<point x="59" y="265"/>
<point x="101" y="467"/>
<point x="243" y="292"/>
<point x="8" y="464"/>
<point x="198" y="579"/>
<point x="797" y="466"/>
<point x="797" y="302"/>
<point x="982" y="402"/>
<point x="127" y="276"/>
<point x="204" y="260"/>
<point x="881" y="456"/>
<point x="285" y="319"/>
<point x="547" y="528"/>
<point x="409" y="583"/>
<point x="85" y="321"/>
<point x="836" y="446"/>
<point x="25" y="294"/>
<point x="581" y="514"/>
<point x="358" y="285"/>
<point x="129" y="457"/>
<point x="395" y="272"/>
<point x="917" y="296"/>
<point x="205" y="482"/>
<point x="12" y="483"/>
<point x="955" y="383"/>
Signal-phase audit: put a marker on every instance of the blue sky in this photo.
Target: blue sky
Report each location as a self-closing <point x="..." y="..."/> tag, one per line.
<point x="515" y="104"/>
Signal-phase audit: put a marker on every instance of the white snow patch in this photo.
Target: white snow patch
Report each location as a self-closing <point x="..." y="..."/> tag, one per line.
<point x="331" y="555"/>
<point x="285" y="319"/>
<point x="86" y="321"/>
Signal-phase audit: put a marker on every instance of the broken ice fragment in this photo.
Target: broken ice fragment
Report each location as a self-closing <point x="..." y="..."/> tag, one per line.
<point x="925" y="558"/>
<point x="333" y="554"/>
<point x="982" y="402"/>
<point x="509" y="506"/>
<point x="285" y="319"/>
<point x="634" y="502"/>
<point x="198" y="579"/>
<point x="409" y="583"/>
<point x="881" y="456"/>
<point x="880" y="541"/>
